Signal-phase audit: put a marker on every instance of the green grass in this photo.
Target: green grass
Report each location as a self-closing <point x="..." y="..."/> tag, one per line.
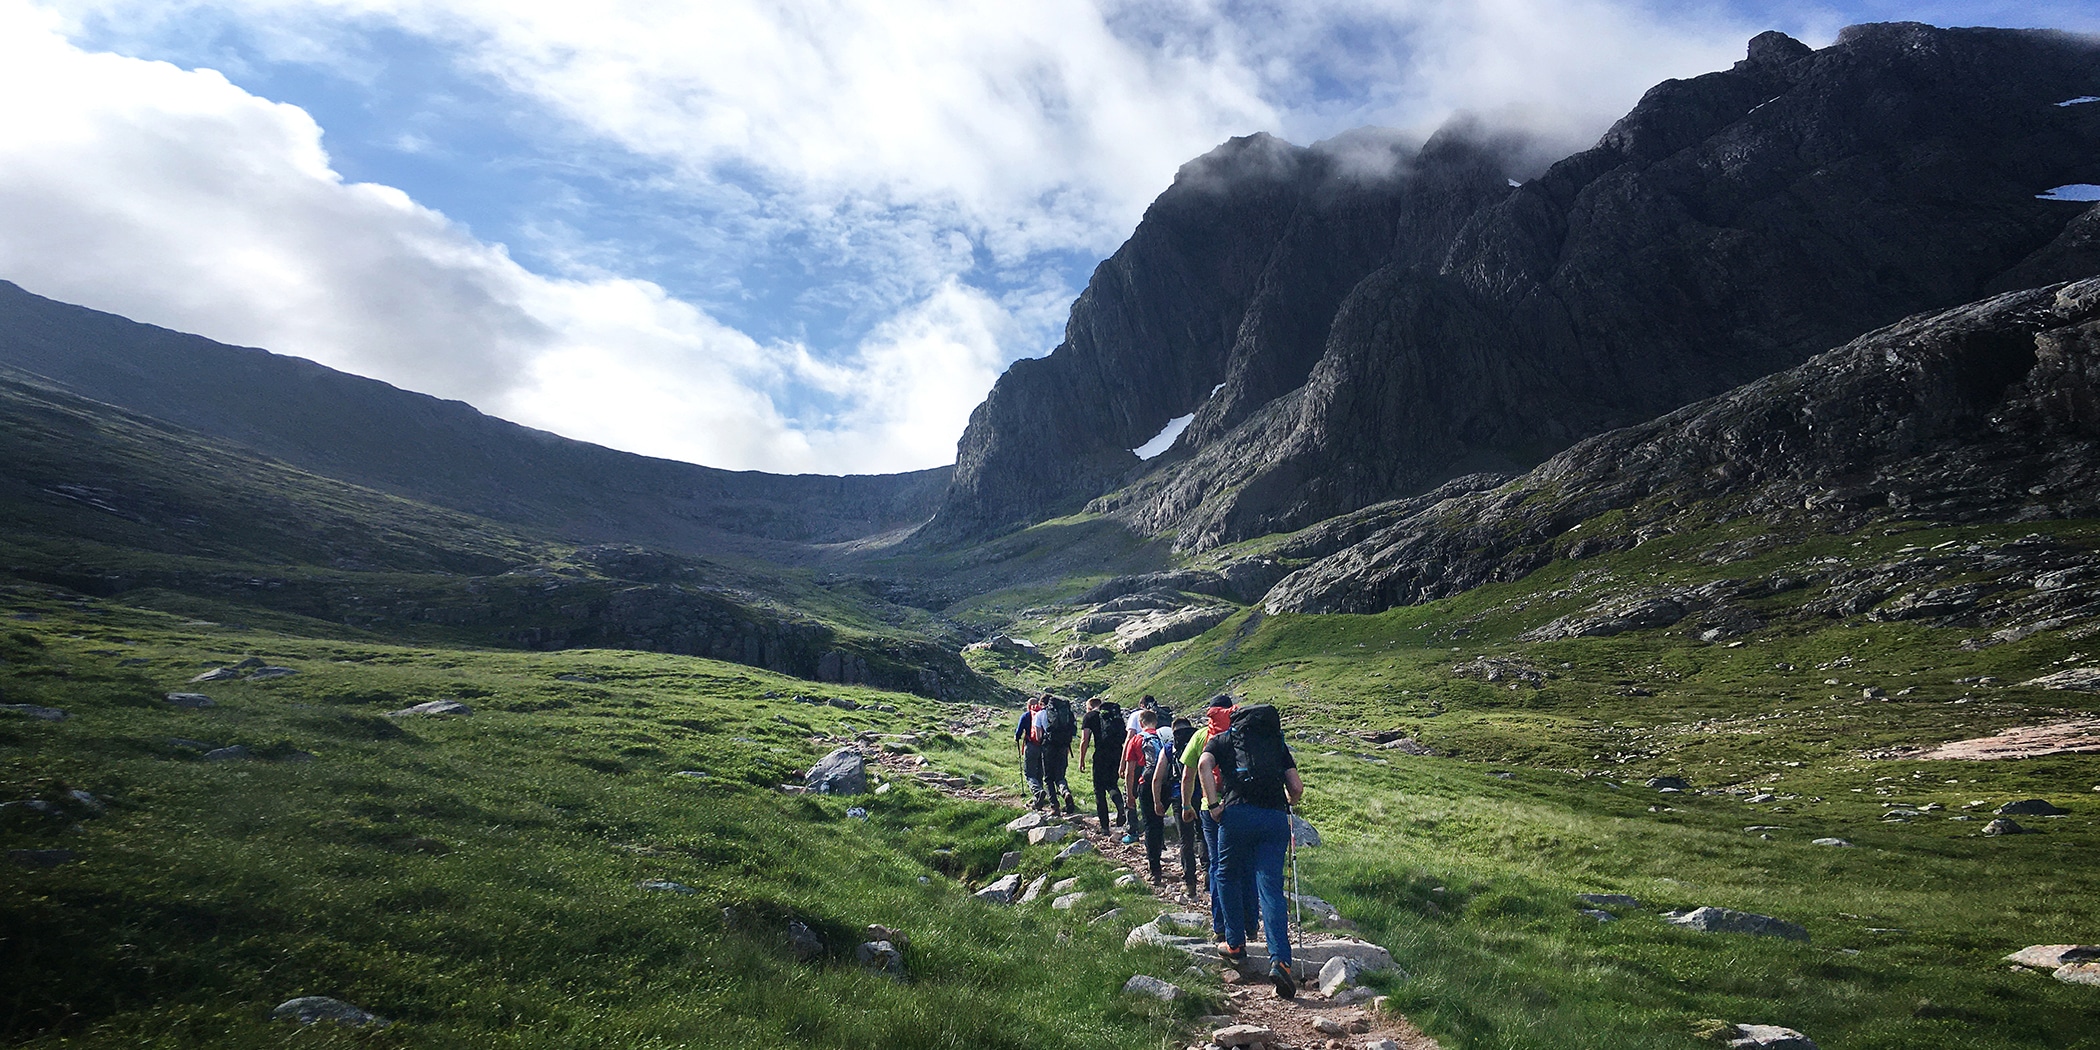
<point x="475" y="879"/>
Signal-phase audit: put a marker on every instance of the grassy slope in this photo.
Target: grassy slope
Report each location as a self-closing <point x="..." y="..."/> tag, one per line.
<point x="475" y="879"/>
<point x="1469" y="876"/>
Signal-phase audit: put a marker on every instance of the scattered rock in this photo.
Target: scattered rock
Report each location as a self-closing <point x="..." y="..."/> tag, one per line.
<point x="2030" y="807"/>
<point x="1026" y="821"/>
<point x="1107" y="916"/>
<point x="1381" y="1044"/>
<point x="1161" y="628"/>
<point x="1767" y="1037"/>
<point x="1669" y="784"/>
<point x="190" y="701"/>
<point x="2082" y="679"/>
<point x="313" y="1009"/>
<point x="842" y="772"/>
<point x="857" y="813"/>
<point x="1303" y="834"/>
<point x="1408" y="745"/>
<point x="1242" y="1035"/>
<point x="667" y="886"/>
<point x="803" y="942"/>
<point x="1048" y="833"/>
<point x="1598" y="914"/>
<point x="2050" y="956"/>
<point x="1067" y="901"/>
<point x="42" y="714"/>
<point x="1608" y="900"/>
<point x="1329" y="1026"/>
<point x="882" y="957"/>
<point x="1840" y="843"/>
<point x="236" y="753"/>
<point x="433" y="707"/>
<point x="1076" y="849"/>
<point x="2078" y="973"/>
<point x="216" y="674"/>
<point x="1001" y="890"/>
<point x="884" y="789"/>
<point x="1081" y="657"/>
<point x="1009" y="860"/>
<point x="1344" y="972"/>
<point x="1152" y="987"/>
<point x="1609" y="618"/>
<point x="1035" y="889"/>
<point x="1728" y="920"/>
<point x="2002" y="826"/>
<point x="1064" y="885"/>
<point x="39" y="858"/>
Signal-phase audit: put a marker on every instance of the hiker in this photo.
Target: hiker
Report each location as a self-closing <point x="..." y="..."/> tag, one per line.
<point x="1153" y="747"/>
<point x="1030" y="736"/>
<point x="1167" y="788"/>
<point x="1250" y="782"/>
<point x="1218" y="719"/>
<point x="1103" y="731"/>
<point x="1057" y="753"/>
<point x="1147" y="703"/>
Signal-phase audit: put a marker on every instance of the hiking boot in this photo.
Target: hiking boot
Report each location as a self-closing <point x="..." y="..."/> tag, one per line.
<point x="1286" y="985"/>
<point x="1235" y="958"/>
<point x="1128" y="838"/>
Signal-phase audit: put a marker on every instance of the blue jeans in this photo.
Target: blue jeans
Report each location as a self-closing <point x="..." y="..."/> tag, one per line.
<point x="1214" y="880"/>
<point x="1255" y="843"/>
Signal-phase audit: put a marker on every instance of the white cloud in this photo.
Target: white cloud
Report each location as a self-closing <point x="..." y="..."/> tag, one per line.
<point x="905" y="136"/>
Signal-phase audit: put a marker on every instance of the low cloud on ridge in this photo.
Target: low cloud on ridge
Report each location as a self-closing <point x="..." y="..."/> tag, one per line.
<point x="174" y="196"/>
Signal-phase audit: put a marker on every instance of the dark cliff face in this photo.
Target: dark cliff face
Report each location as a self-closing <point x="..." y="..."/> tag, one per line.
<point x="1985" y="412"/>
<point x="1412" y="329"/>
<point x="443" y="452"/>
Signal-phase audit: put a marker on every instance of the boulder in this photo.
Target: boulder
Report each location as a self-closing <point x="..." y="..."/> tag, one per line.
<point x="842" y="772"/>
<point x="803" y="942"/>
<point x="1035" y="889"/>
<point x="216" y="674"/>
<point x="1081" y="657"/>
<point x="1001" y="890"/>
<point x="2078" y="973"/>
<point x="1839" y="843"/>
<point x="882" y="957"/>
<point x="1767" y="1037"/>
<point x="1010" y="860"/>
<point x="1162" y="628"/>
<point x="2002" y="826"/>
<point x="1076" y="849"/>
<point x="1728" y="920"/>
<point x="1151" y="987"/>
<point x="1242" y="1035"/>
<point x="1608" y="900"/>
<point x="313" y="1009"/>
<point x="1303" y="834"/>
<point x="1026" y="821"/>
<point x="432" y="707"/>
<point x="1669" y="784"/>
<point x="1068" y="901"/>
<point x="40" y="713"/>
<point x="1342" y="972"/>
<point x="1049" y="833"/>
<point x="2030" y="807"/>
<point x="2050" y="956"/>
<point x="190" y="701"/>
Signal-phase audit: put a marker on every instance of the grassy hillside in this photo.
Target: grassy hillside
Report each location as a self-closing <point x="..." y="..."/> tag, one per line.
<point x="1466" y="863"/>
<point x="476" y="879"/>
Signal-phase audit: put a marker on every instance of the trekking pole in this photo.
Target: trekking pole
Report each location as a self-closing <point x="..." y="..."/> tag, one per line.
<point x="1297" y="891"/>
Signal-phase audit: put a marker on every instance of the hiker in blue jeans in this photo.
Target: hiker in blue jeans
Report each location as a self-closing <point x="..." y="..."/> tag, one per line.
<point x="1251" y="782"/>
<point x="1218" y="719"/>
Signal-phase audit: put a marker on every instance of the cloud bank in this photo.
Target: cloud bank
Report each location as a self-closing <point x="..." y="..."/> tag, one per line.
<point x="947" y="154"/>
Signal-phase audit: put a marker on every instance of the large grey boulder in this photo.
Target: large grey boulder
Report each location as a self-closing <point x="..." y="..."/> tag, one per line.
<point x="1728" y="920"/>
<point x="2050" y="956"/>
<point x="313" y="1009"/>
<point x="1151" y="987"/>
<point x="842" y="772"/>
<point x="2030" y="807"/>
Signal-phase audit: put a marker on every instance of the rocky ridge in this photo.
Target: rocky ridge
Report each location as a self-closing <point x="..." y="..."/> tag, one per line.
<point x="1340" y="341"/>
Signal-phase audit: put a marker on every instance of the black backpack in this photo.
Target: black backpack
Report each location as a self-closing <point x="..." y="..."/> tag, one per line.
<point x="1063" y="727"/>
<point x="1256" y="739"/>
<point x="1109" y="741"/>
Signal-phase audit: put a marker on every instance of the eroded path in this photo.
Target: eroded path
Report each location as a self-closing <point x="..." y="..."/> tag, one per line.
<point x="1312" y="1021"/>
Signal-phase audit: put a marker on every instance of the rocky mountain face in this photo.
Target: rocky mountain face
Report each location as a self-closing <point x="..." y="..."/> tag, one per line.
<point x="1986" y="412"/>
<point x="443" y="452"/>
<point x="1344" y="337"/>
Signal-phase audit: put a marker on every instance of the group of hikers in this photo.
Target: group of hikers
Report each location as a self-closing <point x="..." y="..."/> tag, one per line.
<point x="1227" y="784"/>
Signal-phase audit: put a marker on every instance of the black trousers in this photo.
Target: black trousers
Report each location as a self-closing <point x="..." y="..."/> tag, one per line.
<point x="1155" y="833"/>
<point x="1107" y="787"/>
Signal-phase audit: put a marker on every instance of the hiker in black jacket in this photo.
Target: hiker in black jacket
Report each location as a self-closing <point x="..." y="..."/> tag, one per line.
<point x="1102" y="733"/>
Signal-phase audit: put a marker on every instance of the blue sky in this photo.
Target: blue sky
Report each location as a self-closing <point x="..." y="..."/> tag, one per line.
<point x="783" y="236"/>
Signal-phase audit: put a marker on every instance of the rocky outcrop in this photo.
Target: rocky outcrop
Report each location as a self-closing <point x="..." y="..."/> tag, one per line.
<point x="1731" y="225"/>
<point x="1986" y="412"/>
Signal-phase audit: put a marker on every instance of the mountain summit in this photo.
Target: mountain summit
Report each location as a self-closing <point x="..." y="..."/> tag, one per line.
<point x="1342" y="333"/>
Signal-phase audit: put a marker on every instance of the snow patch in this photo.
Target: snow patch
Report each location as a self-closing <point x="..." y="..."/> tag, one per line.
<point x="1164" y="439"/>
<point x="2077" y="191"/>
<point x="2080" y="100"/>
<point x="1513" y="183"/>
<point x="1214" y="390"/>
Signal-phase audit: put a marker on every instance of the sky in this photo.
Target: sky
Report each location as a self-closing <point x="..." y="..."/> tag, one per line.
<point x="801" y="236"/>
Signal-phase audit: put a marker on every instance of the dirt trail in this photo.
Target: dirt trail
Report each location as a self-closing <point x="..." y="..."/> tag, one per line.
<point x="1252" y="1001"/>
